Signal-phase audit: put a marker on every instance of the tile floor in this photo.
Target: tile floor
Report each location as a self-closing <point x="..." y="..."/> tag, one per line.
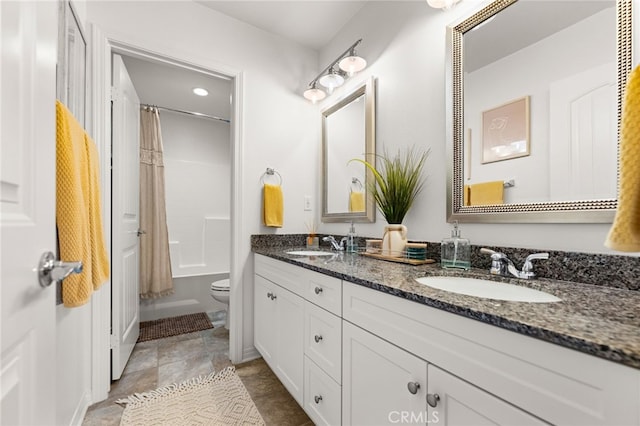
<point x="161" y="362"/>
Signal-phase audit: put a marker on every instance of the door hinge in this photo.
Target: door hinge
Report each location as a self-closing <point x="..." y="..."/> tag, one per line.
<point x="114" y="342"/>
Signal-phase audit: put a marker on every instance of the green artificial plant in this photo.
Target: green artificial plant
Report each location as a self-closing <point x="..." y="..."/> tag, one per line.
<point x="397" y="183"/>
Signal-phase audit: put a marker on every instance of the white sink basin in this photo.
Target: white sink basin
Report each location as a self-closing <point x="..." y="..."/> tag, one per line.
<point x="310" y="253"/>
<point x="488" y="289"/>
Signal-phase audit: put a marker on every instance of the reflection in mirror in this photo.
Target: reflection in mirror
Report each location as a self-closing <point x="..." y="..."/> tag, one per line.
<point x="533" y="110"/>
<point x="348" y="132"/>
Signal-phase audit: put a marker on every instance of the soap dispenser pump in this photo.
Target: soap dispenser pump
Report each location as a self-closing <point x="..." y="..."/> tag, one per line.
<point x="352" y="247"/>
<point x="455" y="251"/>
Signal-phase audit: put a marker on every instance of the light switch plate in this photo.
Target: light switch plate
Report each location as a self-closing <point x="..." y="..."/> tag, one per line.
<point x="307" y="203"/>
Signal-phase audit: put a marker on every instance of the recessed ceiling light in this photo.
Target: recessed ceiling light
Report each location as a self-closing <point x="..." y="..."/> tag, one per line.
<point x="200" y="91"/>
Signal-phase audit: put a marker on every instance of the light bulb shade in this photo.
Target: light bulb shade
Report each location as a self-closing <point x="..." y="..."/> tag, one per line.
<point x="352" y="64"/>
<point x="442" y="4"/>
<point x="314" y="94"/>
<point x="331" y="80"/>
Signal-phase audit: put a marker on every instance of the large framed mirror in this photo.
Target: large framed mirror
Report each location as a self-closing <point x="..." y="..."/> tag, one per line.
<point x="348" y="132"/>
<point x="534" y="97"/>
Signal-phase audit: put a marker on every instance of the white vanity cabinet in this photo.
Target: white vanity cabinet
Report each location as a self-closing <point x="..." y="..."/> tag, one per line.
<point x="484" y="372"/>
<point x="356" y="356"/>
<point x="381" y="382"/>
<point x="298" y="331"/>
<point x="279" y="332"/>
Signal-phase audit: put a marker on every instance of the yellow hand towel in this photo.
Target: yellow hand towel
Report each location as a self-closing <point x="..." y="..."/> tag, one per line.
<point x="486" y="193"/>
<point x="272" y="205"/>
<point x="100" y="268"/>
<point x="356" y="201"/>
<point x="624" y="234"/>
<point x="78" y="209"/>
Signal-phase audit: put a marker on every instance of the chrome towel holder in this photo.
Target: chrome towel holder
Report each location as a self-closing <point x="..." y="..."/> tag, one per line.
<point x="271" y="173"/>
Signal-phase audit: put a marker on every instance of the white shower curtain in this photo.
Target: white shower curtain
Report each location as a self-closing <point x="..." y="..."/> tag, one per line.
<point x="155" y="264"/>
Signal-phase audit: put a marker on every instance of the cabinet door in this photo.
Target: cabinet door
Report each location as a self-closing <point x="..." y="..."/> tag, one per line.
<point x="289" y="328"/>
<point x="460" y="403"/>
<point x="379" y="381"/>
<point x="264" y="316"/>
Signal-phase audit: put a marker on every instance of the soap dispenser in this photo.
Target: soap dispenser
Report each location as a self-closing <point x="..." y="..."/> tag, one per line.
<point x="352" y="247"/>
<point x="455" y="251"/>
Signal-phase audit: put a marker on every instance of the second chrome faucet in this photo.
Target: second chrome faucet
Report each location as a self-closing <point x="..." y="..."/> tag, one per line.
<point x="502" y="265"/>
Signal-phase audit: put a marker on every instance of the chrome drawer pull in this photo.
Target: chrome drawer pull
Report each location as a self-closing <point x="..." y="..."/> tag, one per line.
<point x="413" y="387"/>
<point x="318" y="290"/>
<point x="317" y="338"/>
<point x="432" y="399"/>
<point x="317" y="399"/>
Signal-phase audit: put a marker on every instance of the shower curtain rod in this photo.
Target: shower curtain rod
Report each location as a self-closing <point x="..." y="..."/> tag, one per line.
<point x="197" y="114"/>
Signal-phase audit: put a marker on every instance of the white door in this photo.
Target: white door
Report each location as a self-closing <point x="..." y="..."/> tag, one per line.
<point x="265" y="330"/>
<point x="125" y="311"/>
<point x="454" y="402"/>
<point x="381" y="383"/>
<point x="290" y="341"/>
<point x="27" y="211"/>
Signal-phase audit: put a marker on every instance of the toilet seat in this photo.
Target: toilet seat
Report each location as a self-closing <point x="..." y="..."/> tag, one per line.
<point x="222" y="285"/>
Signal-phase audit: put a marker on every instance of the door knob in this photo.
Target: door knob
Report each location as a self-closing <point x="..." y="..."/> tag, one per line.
<point x="50" y="269"/>
<point x="140" y="232"/>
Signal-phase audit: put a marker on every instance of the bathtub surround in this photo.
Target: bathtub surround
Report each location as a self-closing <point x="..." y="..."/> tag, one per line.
<point x="155" y="263"/>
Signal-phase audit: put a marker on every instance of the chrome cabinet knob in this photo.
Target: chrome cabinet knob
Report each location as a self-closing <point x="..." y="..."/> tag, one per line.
<point x="433" y="399"/>
<point x="317" y="338"/>
<point x="269" y="295"/>
<point x="413" y="387"/>
<point x="51" y="270"/>
<point x="317" y="399"/>
<point x="318" y="290"/>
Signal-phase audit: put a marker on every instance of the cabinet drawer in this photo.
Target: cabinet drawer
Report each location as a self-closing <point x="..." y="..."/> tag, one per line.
<point x="288" y="276"/>
<point x="322" y="396"/>
<point x="324" y="291"/>
<point x="323" y="339"/>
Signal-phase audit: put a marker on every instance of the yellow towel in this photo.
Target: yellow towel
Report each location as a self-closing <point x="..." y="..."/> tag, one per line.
<point x="78" y="214"/>
<point x="272" y="205"/>
<point x="356" y="201"/>
<point x="486" y="193"/>
<point x="624" y="234"/>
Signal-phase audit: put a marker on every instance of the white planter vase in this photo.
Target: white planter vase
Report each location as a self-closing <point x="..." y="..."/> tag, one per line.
<point x="394" y="240"/>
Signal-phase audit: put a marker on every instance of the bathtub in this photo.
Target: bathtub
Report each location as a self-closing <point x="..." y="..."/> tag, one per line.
<point x="192" y="295"/>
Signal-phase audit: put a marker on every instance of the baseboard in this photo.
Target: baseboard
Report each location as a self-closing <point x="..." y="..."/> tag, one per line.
<point x="249" y="354"/>
<point x="81" y="409"/>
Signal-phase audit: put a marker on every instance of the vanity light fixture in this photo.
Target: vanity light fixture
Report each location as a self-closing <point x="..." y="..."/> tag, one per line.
<point x="442" y="4"/>
<point x="331" y="77"/>
<point x="314" y="94"/>
<point x="200" y="91"/>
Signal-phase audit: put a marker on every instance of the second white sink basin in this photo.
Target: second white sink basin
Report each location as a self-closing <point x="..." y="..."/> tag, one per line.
<point x="310" y="253"/>
<point x="488" y="289"/>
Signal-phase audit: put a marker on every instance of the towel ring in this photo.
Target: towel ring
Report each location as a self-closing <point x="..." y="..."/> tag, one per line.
<point x="271" y="172"/>
<point x="356" y="184"/>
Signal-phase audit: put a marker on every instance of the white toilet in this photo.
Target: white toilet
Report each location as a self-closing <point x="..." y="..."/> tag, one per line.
<point x="220" y="292"/>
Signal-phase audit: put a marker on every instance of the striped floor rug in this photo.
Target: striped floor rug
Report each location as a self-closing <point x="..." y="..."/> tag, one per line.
<point x="167" y="327"/>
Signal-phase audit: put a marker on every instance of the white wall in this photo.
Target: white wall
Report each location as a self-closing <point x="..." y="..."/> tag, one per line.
<point x="404" y="44"/>
<point x="278" y="123"/>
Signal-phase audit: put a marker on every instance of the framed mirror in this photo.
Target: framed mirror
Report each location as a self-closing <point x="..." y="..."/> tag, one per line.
<point x="533" y="110"/>
<point x="348" y="132"/>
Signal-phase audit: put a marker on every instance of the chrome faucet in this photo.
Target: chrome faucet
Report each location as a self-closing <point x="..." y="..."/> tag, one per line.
<point x="336" y="245"/>
<point x="502" y="265"/>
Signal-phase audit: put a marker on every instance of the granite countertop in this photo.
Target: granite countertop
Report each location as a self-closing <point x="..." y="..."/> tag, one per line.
<point x="598" y="320"/>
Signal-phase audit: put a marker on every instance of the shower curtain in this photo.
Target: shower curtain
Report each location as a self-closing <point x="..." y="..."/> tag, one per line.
<point x="155" y="264"/>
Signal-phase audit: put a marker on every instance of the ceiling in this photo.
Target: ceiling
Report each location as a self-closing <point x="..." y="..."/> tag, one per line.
<point x="292" y="19"/>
